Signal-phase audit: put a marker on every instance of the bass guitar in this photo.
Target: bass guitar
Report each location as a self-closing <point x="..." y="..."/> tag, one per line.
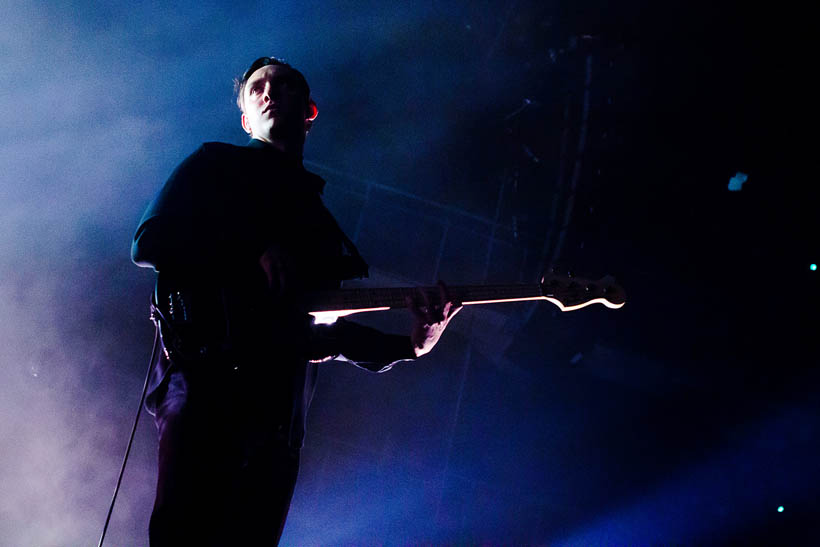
<point x="566" y="292"/>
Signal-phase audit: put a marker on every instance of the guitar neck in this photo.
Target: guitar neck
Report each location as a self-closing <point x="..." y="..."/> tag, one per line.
<point x="366" y="299"/>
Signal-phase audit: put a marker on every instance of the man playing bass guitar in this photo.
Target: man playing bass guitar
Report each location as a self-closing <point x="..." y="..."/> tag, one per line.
<point x="237" y="234"/>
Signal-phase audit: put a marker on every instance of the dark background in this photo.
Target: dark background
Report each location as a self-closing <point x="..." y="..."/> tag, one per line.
<point x="474" y="142"/>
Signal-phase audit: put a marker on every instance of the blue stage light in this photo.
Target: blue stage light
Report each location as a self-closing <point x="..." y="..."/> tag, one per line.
<point x="813" y="267"/>
<point x="780" y="509"/>
<point x="736" y="182"/>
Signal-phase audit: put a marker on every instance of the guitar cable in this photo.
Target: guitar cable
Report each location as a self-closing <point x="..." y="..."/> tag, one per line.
<point x="134" y="429"/>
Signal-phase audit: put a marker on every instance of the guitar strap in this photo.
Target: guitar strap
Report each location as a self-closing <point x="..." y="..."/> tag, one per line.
<point x="357" y="266"/>
<point x="350" y="265"/>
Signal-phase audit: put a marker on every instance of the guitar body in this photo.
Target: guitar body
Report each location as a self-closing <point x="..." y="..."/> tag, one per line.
<point x="211" y="316"/>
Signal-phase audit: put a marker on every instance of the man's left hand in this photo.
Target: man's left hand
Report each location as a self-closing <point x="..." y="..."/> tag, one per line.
<point x="430" y="319"/>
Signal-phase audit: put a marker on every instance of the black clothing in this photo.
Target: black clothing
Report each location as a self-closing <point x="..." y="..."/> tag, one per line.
<point x="206" y="229"/>
<point x="225" y="475"/>
<point x="231" y="401"/>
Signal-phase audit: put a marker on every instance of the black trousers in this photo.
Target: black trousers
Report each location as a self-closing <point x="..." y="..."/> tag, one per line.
<point x="226" y="473"/>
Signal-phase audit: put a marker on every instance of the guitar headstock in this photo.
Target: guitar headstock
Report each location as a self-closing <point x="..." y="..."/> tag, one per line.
<point x="571" y="293"/>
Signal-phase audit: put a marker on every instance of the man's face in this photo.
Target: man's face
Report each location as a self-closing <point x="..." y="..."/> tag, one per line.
<point x="274" y="105"/>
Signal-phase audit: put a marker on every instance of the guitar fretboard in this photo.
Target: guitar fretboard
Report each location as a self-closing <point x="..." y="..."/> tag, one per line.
<point x="388" y="298"/>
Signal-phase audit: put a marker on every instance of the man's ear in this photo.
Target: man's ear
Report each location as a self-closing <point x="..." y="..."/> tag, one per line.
<point x="312" y="113"/>
<point x="246" y="126"/>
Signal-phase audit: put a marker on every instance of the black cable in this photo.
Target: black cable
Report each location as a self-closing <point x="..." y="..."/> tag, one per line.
<point x="133" y="432"/>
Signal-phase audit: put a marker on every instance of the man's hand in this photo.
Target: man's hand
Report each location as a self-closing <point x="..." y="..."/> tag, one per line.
<point x="430" y="320"/>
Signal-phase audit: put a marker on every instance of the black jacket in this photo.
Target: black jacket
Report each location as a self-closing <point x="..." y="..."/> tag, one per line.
<point x="204" y="233"/>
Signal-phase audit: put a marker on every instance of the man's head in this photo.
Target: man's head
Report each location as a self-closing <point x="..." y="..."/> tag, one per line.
<point x="275" y="101"/>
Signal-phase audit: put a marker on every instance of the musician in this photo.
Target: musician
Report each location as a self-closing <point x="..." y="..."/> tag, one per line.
<point x="236" y="235"/>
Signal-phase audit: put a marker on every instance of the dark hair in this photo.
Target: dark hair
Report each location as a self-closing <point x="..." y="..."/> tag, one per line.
<point x="239" y="84"/>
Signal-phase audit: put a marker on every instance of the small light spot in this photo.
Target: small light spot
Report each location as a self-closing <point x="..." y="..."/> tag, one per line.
<point x="736" y="182"/>
<point x="813" y="267"/>
<point x="780" y="509"/>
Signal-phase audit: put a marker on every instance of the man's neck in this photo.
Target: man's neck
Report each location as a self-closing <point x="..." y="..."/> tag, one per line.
<point x="288" y="146"/>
